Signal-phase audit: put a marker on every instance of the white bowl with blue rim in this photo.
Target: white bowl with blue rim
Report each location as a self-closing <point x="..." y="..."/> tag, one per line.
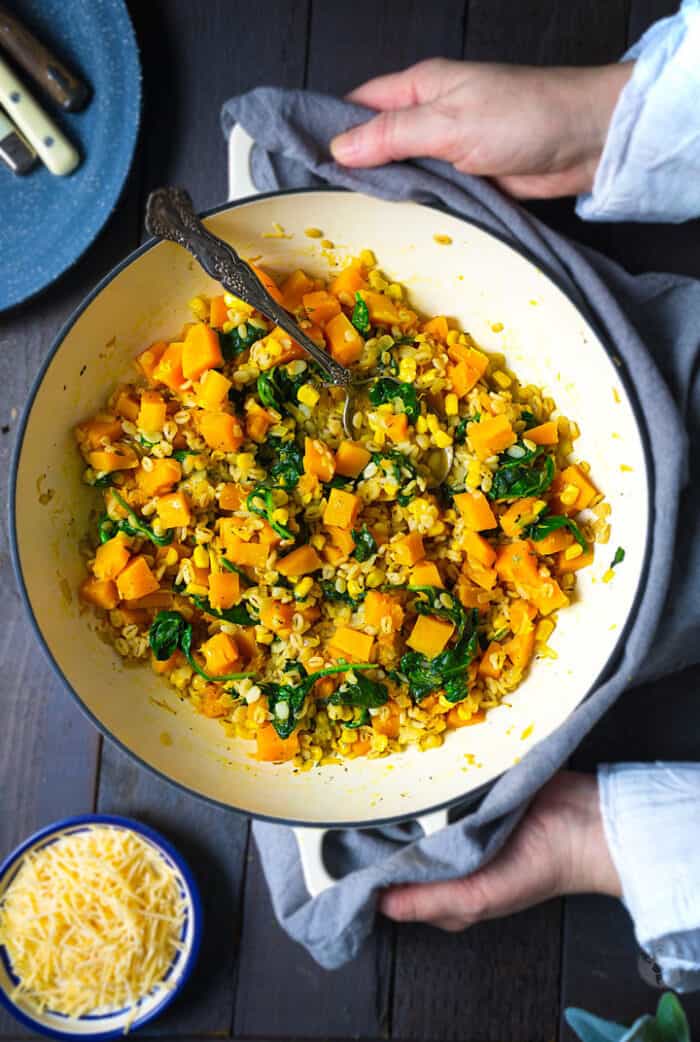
<point x="105" y="1023"/>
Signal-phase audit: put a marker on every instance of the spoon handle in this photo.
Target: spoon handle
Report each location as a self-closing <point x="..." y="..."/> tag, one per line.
<point x="170" y="215"/>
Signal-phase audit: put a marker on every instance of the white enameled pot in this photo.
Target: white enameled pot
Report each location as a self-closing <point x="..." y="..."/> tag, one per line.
<point x="509" y="305"/>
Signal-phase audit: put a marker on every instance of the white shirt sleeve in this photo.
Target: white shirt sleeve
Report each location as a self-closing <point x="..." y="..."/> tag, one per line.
<point x="651" y="815"/>
<point x="650" y="167"/>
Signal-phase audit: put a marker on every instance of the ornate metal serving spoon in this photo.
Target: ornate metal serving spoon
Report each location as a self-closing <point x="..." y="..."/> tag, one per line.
<point x="170" y="215"/>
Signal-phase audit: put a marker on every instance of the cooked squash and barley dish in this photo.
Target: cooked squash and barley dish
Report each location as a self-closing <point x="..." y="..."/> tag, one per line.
<point x="328" y="596"/>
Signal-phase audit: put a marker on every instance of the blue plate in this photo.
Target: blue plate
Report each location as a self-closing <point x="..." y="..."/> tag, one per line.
<point x="47" y="222"/>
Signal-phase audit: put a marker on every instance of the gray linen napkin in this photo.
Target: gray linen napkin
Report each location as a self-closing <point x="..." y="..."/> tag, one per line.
<point x="292" y="130"/>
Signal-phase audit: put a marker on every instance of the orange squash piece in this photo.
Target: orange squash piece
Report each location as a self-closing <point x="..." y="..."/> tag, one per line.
<point x="221" y="431"/>
<point x="454" y="720"/>
<point x="575" y="563"/>
<point x="351" y="459"/>
<point x="174" y="510"/>
<point x="389" y="725"/>
<point x="521" y="615"/>
<point x="517" y="563"/>
<point x="224" y="590"/>
<point x="546" y="434"/>
<point x="258" y="422"/>
<point x="218" y="312"/>
<point x="231" y="497"/>
<point x="149" y="359"/>
<point x="409" y="549"/>
<point x="252" y="555"/>
<point x="491" y="435"/>
<point x="102" y="593"/>
<point x="351" y="644"/>
<point x="321" y="306"/>
<point x="126" y="404"/>
<point x="294" y="287"/>
<point x="559" y="539"/>
<point x="318" y="459"/>
<point x="397" y="427"/>
<point x="382" y="310"/>
<point x="437" y="328"/>
<point x="277" y="617"/>
<point x="482" y="575"/>
<point x="220" y="654"/>
<point x="106" y="461"/>
<point x="152" y="411"/>
<point x="301" y="561"/>
<point x="92" y="434"/>
<point x="277" y="348"/>
<point x="491" y="662"/>
<point x="111" y="557"/>
<point x="478" y="548"/>
<point x="380" y="606"/>
<point x="519" y="514"/>
<point x="273" y="749"/>
<point x="213" y="389"/>
<point x="520" y="649"/>
<point x="342" y="509"/>
<point x="137" y="580"/>
<point x="349" y="282"/>
<point x="426" y="574"/>
<point x="342" y="539"/>
<point x="476" y="511"/>
<point x="345" y="342"/>
<point x="430" y="635"/>
<point x="160" y="478"/>
<point x="572" y="475"/>
<point x="168" y="371"/>
<point x="201" y="351"/>
<point x="269" y="283"/>
<point x="548" y="596"/>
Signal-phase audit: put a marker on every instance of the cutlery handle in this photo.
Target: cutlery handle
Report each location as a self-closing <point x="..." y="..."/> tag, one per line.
<point x="50" y="144"/>
<point x="46" y="70"/>
<point x="14" y="150"/>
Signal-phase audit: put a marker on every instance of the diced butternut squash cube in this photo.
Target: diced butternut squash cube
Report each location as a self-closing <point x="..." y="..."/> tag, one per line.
<point x="491" y="435"/>
<point x="318" y="459"/>
<point x="100" y="430"/>
<point x="388" y="722"/>
<point x="294" y="287"/>
<point x="517" y="563"/>
<point x="168" y="371"/>
<point x="342" y="539"/>
<point x="231" y="497"/>
<point x="569" y="479"/>
<point x="521" y="615"/>
<point x="342" y="509"/>
<point x="160" y="478"/>
<point x="491" y="663"/>
<point x="106" y="461"/>
<point x="409" y="549"/>
<point x="548" y="596"/>
<point x="437" y="328"/>
<point x="213" y="389"/>
<point x="137" y="580"/>
<point x="426" y="574"/>
<point x="149" y="359"/>
<point x="221" y="431"/>
<point x="301" y="561"/>
<point x="350" y="281"/>
<point x="321" y="306"/>
<point x="469" y="367"/>
<point x="573" y="564"/>
<point x="351" y="459"/>
<point x="353" y="645"/>
<point x="102" y="593"/>
<point x="218" y="312"/>
<point x="268" y="282"/>
<point x="380" y="606"/>
<point x="478" y="548"/>
<point x="111" y="557"/>
<point x="476" y="511"/>
<point x="397" y="427"/>
<point x="430" y="635"/>
<point x="126" y="404"/>
<point x="253" y="555"/>
<point x="258" y="422"/>
<point x="168" y="664"/>
<point x="277" y="348"/>
<point x="201" y="351"/>
<point x="559" y="539"/>
<point x="174" y="510"/>
<point x="152" y="412"/>
<point x="382" y="310"/>
<point x="273" y="749"/>
<point x="520" y="649"/>
<point x="224" y="590"/>
<point x="220" y="654"/>
<point x="345" y="342"/>
<point x="480" y="574"/>
<point x="454" y="720"/>
<point x="520" y="514"/>
<point x="546" y="434"/>
<point x="276" y="616"/>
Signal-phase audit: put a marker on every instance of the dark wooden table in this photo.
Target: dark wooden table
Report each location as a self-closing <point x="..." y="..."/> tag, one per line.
<point x="505" y="981"/>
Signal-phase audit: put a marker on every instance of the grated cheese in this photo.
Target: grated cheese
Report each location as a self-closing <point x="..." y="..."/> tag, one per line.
<point x="92" y="922"/>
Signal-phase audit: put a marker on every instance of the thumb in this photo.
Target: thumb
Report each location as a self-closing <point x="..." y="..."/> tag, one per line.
<point x="464" y="901"/>
<point x="398" y="134"/>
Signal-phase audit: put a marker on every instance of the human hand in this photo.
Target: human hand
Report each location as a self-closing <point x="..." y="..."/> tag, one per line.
<point x="537" y="132"/>
<point x="558" y="848"/>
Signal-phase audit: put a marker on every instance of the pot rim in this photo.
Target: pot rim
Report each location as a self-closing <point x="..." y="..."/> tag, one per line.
<point x="468" y="797"/>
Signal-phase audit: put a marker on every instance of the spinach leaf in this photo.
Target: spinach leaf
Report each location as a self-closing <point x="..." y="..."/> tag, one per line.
<point x="618" y="558"/>
<point x="361" y="693"/>
<point x="278" y="389"/>
<point x="331" y="594"/>
<point x="231" y="567"/>
<point x="529" y="418"/>
<point x="104" y="482"/>
<point x="261" y="502"/>
<point x="460" y="431"/>
<point x="449" y="670"/>
<point x="543" y="526"/>
<point x="131" y="525"/>
<point x="283" y="460"/>
<point x="386" y="389"/>
<point x="363" y="720"/>
<point x="170" y="632"/>
<point x="386" y="363"/>
<point x="233" y="343"/>
<point x="360" y="315"/>
<point x="401" y="467"/>
<point x="530" y="474"/>
<point x="365" y="544"/>
<point x="286" y="701"/>
<point x="180" y="454"/>
<point x="239" y="614"/>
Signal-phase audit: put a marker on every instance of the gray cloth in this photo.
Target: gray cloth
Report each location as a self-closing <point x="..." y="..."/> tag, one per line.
<point x="292" y="130"/>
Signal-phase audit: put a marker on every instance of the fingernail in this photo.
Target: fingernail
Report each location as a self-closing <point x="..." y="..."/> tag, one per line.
<point x="343" y="147"/>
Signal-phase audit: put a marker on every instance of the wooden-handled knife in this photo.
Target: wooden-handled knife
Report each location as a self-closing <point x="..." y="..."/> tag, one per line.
<point x="51" y="74"/>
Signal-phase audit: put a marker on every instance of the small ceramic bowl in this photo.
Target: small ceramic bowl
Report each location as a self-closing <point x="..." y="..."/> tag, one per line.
<point x="116" y="1023"/>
